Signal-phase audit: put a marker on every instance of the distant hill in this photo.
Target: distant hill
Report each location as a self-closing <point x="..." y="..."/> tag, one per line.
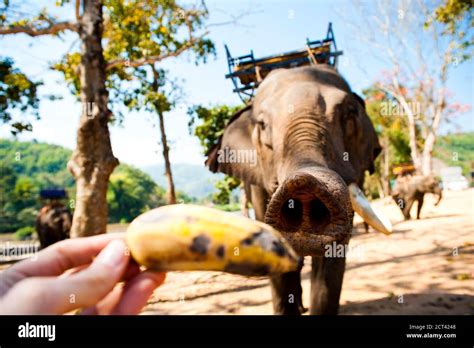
<point x="194" y="180"/>
<point x="456" y="150"/>
<point x="28" y="167"/>
<point x="44" y="164"/>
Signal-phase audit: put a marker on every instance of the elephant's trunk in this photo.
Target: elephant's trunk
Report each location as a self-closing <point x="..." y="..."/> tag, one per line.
<point x="312" y="208"/>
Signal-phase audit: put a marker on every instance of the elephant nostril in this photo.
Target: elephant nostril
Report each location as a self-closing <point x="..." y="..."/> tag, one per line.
<point x="292" y="213"/>
<point x="319" y="214"/>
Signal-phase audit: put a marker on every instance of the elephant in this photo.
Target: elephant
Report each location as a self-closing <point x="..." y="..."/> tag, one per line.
<point x="53" y="224"/>
<point x="411" y="188"/>
<point x="310" y="141"/>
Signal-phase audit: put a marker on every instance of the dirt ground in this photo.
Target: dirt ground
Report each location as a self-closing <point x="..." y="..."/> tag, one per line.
<point x="425" y="267"/>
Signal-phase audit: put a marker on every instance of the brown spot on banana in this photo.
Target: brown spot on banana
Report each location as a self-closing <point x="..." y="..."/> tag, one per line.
<point x="200" y="244"/>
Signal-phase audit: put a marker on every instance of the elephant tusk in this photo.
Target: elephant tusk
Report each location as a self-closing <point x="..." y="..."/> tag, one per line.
<point x="361" y="205"/>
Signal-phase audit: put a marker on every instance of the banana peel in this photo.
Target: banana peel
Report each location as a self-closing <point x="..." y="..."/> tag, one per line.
<point x="190" y="237"/>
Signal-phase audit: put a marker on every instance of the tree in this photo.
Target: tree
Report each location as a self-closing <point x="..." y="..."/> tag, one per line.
<point x="8" y="179"/>
<point x="161" y="103"/>
<point x="155" y="34"/>
<point x="17" y="92"/>
<point x="208" y="123"/>
<point x="224" y="190"/>
<point x="92" y="162"/>
<point x="139" y="35"/>
<point x="130" y="193"/>
<point x="457" y="18"/>
<point x="420" y="57"/>
<point x="393" y="138"/>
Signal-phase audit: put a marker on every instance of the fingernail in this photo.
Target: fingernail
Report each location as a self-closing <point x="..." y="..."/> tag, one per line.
<point x="113" y="254"/>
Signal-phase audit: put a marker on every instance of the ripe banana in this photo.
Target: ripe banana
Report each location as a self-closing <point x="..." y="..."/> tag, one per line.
<point x="189" y="237"/>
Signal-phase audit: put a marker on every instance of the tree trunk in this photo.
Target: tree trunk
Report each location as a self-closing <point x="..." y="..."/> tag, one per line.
<point x="427" y="161"/>
<point x="170" y="193"/>
<point x="427" y="155"/>
<point x="380" y="188"/>
<point x="412" y="135"/>
<point x="386" y="166"/>
<point x="92" y="161"/>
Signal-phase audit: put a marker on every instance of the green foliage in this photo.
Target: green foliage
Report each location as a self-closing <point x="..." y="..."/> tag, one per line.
<point x="27" y="216"/>
<point x="224" y="190"/>
<point x="130" y="193"/>
<point x="138" y="29"/>
<point x="208" y="123"/>
<point x="24" y="233"/>
<point x="457" y="18"/>
<point x="69" y="67"/>
<point x="43" y="164"/>
<point x="17" y="93"/>
<point x="229" y="207"/>
<point x="456" y="150"/>
<point x="28" y="167"/>
<point x="372" y="185"/>
<point x="392" y="128"/>
<point x="136" y="35"/>
<point x="392" y="131"/>
<point x="182" y="197"/>
<point x="452" y="11"/>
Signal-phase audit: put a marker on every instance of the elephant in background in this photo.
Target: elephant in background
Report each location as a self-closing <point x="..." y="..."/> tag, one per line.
<point x="313" y="142"/>
<point x="53" y="224"/>
<point x="411" y="188"/>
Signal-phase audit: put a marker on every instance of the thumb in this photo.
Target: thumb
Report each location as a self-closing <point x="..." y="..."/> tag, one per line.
<point x="57" y="295"/>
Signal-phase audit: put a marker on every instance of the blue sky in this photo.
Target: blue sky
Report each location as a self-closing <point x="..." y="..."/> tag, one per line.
<point x="273" y="26"/>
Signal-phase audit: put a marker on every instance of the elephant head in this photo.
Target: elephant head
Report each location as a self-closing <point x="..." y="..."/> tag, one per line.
<point x="312" y="143"/>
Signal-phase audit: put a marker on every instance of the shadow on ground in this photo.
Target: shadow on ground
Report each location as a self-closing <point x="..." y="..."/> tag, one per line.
<point x="413" y="304"/>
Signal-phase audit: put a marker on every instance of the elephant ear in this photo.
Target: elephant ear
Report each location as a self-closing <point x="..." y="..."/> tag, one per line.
<point x="234" y="154"/>
<point x="369" y="147"/>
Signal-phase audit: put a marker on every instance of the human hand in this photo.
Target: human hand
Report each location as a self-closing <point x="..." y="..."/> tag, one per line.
<point x="65" y="277"/>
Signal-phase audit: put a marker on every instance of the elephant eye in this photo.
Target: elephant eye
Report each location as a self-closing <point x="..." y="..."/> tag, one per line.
<point x="261" y="124"/>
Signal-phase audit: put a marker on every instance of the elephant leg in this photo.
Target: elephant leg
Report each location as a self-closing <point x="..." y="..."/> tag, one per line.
<point x="287" y="294"/>
<point x="326" y="283"/>
<point x="42" y="239"/>
<point x="420" y="204"/>
<point x="41" y="233"/>
<point x="407" y="208"/>
<point x="286" y="288"/>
